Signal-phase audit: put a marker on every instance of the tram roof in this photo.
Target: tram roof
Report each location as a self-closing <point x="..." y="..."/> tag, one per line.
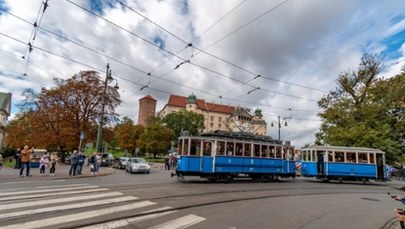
<point x="341" y="148"/>
<point x="241" y="136"/>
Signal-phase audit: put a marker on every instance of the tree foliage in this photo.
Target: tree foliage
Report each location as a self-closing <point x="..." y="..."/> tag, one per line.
<point x="156" y="139"/>
<point x="185" y="121"/>
<point x="127" y="134"/>
<point x="365" y="111"/>
<point x="54" y="118"/>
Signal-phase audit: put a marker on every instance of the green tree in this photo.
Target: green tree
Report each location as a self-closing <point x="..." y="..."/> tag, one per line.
<point x="156" y="139"/>
<point x="127" y="134"/>
<point x="184" y="121"/>
<point x="363" y="110"/>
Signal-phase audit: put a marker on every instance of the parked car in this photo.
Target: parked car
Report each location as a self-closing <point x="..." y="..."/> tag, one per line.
<point x="120" y="163"/>
<point x="137" y="165"/>
<point x="106" y="159"/>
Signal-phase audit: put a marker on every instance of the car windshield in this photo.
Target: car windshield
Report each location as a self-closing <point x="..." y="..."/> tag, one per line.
<point x="104" y="155"/>
<point x="124" y="159"/>
<point x="138" y="160"/>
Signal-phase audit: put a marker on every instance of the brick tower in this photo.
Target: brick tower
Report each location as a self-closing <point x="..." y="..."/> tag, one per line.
<point x="147" y="108"/>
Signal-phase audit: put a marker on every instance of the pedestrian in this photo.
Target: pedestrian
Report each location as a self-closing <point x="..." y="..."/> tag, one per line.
<point x="80" y="161"/>
<point x="94" y="164"/>
<point x="17" y="157"/>
<point x="73" y="163"/>
<point x="25" y="160"/>
<point x="54" y="161"/>
<point x="1" y="161"/>
<point x="43" y="164"/>
<point x="167" y="164"/>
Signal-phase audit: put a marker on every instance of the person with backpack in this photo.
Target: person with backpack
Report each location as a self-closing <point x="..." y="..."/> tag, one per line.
<point x="43" y="164"/>
<point x="80" y="161"/>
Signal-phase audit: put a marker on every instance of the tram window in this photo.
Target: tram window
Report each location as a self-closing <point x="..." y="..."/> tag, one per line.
<point x="207" y="148"/>
<point x="264" y="151"/>
<point x="363" y="158"/>
<point x="372" y="158"/>
<point x="247" y="151"/>
<point x="272" y="150"/>
<point x="330" y="156"/>
<point x="339" y="157"/>
<point x="229" y="148"/>
<point x="195" y="147"/>
<point x="313" y="156"/>
<point x="278" y="151"/>
<point x="305" y="155"/>
<point x="257" y="150"/>
<point x="185" y="149"/>
<point x="351" y="157"/>
<point x="220" y="148"/>
<point x="238" y="149"/>
<point x="180" y="147"/>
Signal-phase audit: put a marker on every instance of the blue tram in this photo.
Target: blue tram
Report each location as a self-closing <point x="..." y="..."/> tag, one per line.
<point x="343" y="163"/>
<point x="227" y="155"/>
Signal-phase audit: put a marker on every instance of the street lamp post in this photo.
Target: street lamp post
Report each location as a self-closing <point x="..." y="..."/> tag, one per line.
<point x="108" y="79"/>
<point x="279" y="123"/>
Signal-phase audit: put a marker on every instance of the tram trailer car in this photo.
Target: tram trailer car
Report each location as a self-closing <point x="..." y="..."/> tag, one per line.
<point x="343" y="163"/>
<point x="228" y="155"/>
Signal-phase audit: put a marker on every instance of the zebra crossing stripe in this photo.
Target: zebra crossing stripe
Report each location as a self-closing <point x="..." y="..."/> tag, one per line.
<point x="46" y="190"/>
<point x="128" y="221"/>
<point x="53" y="194"/>
<point x="183" y="222"/>
<point x="77" y="216"/>
<point x="48" y="186"/>
<point x="66" y="207"/>
<point x="55" y="201"/>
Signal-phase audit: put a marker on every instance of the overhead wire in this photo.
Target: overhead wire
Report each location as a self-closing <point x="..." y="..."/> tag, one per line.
<point x="123" y="78"/>
<point x="34" y="33"/>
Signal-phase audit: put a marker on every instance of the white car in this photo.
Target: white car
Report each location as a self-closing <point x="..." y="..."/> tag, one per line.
<point x="137" y="165"/>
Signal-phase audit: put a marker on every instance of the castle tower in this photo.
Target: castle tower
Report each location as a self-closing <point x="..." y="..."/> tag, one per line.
<point x="147" y="108"/>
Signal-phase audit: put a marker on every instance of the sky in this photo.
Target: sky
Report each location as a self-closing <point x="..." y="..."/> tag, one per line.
<point x="281" y="56"/>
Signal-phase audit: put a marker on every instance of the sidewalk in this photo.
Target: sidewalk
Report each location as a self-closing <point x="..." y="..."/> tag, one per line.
<point x="62" y="172"/>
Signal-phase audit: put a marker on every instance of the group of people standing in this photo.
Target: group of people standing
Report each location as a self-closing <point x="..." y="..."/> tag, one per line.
<point x="171" y="161"/>
<point x="77" y="160"/>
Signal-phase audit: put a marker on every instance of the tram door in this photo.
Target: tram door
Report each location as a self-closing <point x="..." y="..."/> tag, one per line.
<point x="320" y="163"/>
<point x="380" y="166"/>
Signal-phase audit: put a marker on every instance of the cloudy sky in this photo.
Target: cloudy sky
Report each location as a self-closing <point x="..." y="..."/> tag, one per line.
<point x="281" y="56"/>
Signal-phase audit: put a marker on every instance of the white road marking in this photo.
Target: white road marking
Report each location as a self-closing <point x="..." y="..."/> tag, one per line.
<point x="180" y="223"/>
<point x="53" y="194"/>
<point x="46" y="190"/>
<point x="48" y="186"/>
<point x="58" y="200"/>
<point x="128" y="221"/>
<point x="66" y="207"/>
<point x="27" y="182"/>
<point x="77" y="216"/>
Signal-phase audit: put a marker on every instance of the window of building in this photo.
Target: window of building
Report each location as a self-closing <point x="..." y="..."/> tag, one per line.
<point x="212" y="125"/>
<point x="211" y="118"/>
<point x="219" y="126"/>
<point x="219" y="119"/>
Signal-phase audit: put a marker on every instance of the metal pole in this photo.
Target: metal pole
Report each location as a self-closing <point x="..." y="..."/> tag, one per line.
<point x="101" y="122"/>
<point x="279" y="127"/>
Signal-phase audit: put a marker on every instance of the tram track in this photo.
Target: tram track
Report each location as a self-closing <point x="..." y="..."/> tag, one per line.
<point x="255" y="193"/>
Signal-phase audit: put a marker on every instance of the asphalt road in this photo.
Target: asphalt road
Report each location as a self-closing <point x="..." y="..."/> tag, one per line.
<point x="156" y="200"/>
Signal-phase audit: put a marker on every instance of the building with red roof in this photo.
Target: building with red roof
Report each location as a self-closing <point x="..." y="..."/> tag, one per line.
<point x="218" y="116"/>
